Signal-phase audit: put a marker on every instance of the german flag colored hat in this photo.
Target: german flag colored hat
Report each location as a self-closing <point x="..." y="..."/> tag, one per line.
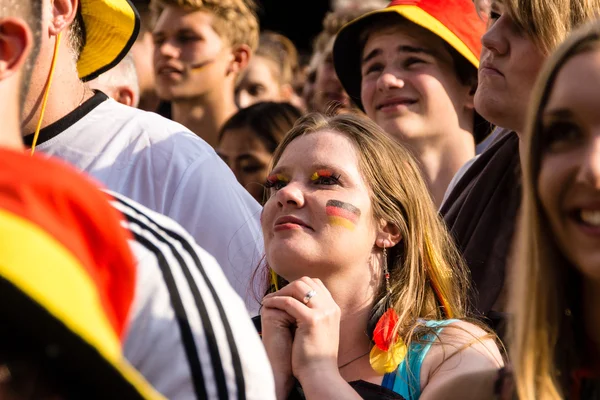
<point x="67" y="277"/>
<point x="454" y="21"/>
<point x="111" y="27"/>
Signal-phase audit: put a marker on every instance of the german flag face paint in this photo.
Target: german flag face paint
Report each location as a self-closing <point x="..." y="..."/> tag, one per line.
<point x="342" y="214"/>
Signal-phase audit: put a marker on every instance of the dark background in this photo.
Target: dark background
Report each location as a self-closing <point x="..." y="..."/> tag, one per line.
<point x="299" y="20"/>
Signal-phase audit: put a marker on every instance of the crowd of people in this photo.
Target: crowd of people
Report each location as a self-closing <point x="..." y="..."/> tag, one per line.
<point x="191" y="208"/>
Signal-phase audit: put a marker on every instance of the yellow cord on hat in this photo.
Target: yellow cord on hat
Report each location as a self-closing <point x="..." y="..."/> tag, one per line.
<point x="46" y="92"/>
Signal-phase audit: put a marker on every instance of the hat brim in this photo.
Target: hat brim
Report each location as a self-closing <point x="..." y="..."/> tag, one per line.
<point x="347" y="50"/>
<point x="48" y="297"/>
<point x="77" y="366"/>
<point x="111" y="28"/>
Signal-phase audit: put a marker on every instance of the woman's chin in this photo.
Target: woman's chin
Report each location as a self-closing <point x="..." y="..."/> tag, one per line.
<point x="292" y="265"/>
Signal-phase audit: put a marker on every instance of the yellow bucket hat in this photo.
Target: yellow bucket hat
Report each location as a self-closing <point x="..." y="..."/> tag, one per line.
<point x="111" y="27"/>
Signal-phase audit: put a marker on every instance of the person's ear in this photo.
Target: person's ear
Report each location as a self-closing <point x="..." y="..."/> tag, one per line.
<point x="125" y="95"/>
<point x="388" y="235"/>
<point x="471" y="86"/>
<point x="64" y="13"/>
<point x="16" y="40"/>
<point x="240" y="60"/>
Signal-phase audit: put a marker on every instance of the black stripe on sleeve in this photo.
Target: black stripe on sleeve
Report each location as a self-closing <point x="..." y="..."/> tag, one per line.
<point x="187" y="336"/>
<point x="213" y="346"/>
<point x="235" y="356"/>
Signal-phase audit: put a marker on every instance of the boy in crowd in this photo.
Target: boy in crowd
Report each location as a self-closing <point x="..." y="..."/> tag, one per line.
<point x="413" y="69"/>
<point x="201" y="46"/>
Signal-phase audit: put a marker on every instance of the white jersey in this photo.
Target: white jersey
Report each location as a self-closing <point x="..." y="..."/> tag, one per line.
<point x="189" y="333"/>
<point x="168" y="169"/>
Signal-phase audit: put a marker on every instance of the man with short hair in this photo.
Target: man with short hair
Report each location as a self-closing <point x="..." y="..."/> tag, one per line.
<point x="201" y="46"/>
<point x="412" y="67"/>
<point x="188" y="332"/>
<point x="120" y="83"/>
<point x="141" y="155"/>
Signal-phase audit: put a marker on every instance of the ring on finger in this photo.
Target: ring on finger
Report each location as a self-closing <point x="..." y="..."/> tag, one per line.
<point x="309" y="295"/>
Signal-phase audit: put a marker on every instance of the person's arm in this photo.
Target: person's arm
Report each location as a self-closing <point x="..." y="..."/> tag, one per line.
<point x="463" y="350"/>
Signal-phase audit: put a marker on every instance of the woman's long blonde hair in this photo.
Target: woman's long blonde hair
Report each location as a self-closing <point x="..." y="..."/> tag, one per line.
<point x="428" y="277"/>
<point x="545" y="286"/>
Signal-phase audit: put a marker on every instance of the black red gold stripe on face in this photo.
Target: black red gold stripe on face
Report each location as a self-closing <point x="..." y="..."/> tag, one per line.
<point x="342" y="214"/>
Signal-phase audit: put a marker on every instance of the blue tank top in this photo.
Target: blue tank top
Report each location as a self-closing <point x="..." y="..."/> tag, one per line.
<point x="406" y="380"/>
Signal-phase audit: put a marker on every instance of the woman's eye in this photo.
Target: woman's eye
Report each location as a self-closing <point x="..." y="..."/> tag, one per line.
<point x="327" y="180"/>
<point x="275" y="184"/>
<point x="561" y="133"/>
<point x="251" y="169"/>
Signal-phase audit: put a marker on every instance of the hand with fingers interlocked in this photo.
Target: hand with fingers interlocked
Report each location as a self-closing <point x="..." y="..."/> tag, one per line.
<point x="301" y="328"/>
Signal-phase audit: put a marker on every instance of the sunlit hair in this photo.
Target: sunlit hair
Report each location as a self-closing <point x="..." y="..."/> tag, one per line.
<point x="234" y="20"/>
<point x="427" y="275"/>
<point x="282" y="53"/>
<point x="545" y="285"/>
<point x="548" y="22"/>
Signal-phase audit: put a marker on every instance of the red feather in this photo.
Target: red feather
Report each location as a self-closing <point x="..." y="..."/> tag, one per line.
<point x="383" y="335"/>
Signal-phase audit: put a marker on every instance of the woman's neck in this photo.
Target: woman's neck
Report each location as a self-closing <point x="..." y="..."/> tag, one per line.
<point x="355" y="304"/>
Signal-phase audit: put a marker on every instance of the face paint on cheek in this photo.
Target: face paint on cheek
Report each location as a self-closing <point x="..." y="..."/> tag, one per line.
<point x="342" y="214"/>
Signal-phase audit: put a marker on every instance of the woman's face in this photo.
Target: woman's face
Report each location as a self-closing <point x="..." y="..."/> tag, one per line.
<point x="318" y="221"/>
<point x="510" y="63"/>
<point x="569" y="180"/>
<point x="258" y="84"/>
<point x="248" y="157"/>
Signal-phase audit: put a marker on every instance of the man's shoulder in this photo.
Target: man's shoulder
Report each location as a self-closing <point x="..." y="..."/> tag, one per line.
<point x="149" y="127"/>
<point x="163" y="228"/>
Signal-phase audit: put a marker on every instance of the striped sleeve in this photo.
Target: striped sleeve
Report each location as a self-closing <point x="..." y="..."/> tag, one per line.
<point x="189" y="334"/>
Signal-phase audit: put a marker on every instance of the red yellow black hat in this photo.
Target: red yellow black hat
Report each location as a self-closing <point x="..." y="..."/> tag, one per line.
<point x="67" y="276"/>
<point x="111" y="27"/>
<point x="454" y="21"/>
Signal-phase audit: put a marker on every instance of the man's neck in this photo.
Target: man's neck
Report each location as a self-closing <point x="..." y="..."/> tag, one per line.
<point x="66" y="94"/>
<point x="204" y="118"/>
<point x="441" y="158"/>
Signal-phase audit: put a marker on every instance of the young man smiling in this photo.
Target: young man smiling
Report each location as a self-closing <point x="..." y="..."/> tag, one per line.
<point x="413" y="69"/>
<point x="201" y="46"/>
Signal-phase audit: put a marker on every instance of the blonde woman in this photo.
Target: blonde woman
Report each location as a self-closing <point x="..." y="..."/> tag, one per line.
<point x="556" y="350"/>
<point x="367" y="290"/>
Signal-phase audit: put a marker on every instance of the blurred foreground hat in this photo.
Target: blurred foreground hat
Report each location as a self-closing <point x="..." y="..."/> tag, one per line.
<point x="67" y="276"/>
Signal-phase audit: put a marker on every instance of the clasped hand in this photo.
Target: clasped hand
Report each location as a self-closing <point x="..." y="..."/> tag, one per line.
<point x="301" y="333"/>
